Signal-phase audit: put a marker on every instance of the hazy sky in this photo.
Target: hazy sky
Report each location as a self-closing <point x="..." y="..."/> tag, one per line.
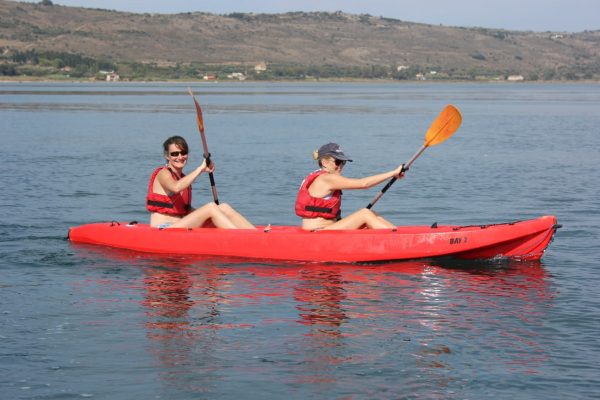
<point x="534" y="15"/>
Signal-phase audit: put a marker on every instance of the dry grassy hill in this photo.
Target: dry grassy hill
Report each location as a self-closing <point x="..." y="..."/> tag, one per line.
<point x="296" y="38"/>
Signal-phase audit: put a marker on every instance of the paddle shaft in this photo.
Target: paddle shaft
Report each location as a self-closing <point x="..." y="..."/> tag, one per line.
<point x="211" y="177"/>
<point x="200" y="121"/>
<point x="394" y="179"/>
<point x="213" y="186"/>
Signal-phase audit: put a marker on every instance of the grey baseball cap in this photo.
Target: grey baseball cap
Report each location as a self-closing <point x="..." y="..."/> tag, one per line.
<point x="333" y="150"/>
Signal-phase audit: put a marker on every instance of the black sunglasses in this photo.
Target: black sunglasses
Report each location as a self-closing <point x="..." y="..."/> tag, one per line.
<point x="340" y="162"/>
<point x="177" y="153"/>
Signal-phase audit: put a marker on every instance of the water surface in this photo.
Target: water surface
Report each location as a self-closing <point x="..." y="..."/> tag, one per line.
<point x="82" y="321"/>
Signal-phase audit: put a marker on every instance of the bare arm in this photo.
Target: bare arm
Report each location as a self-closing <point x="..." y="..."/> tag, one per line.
<point x="325" y="184"/>
<point x="171" y="185"/>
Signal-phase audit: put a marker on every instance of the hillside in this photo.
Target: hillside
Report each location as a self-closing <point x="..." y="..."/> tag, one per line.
<point x="296" y="39"/>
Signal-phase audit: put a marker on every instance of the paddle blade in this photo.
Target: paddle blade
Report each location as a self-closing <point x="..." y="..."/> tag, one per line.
<point x="199" y="118"/>
<point x="444" y="126"/>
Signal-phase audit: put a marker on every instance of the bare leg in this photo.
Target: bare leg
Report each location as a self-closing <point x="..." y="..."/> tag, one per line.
<point x="384" y="221"/>
<point x="238" y="219"/>
<point x="360" y="218"/>
<point x="201" y="215"/>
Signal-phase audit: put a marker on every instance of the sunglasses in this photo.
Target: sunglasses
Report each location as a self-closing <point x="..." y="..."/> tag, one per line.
<point x="178" y="153"/>
<point x="340" y="162"/>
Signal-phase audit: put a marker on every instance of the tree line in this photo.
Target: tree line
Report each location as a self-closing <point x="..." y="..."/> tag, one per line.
<point x="35" y="63"/>
<point x="64" y="65"/>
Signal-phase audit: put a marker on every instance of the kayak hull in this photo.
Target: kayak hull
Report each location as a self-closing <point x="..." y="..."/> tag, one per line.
<point x="525" y="240"/>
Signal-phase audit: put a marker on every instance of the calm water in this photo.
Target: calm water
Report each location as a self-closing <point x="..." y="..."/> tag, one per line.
<point x="88" y="322"/>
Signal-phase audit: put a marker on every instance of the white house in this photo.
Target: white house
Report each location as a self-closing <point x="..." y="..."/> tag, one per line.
<point x="260" y="67"/>
<point x="112" y="77"/>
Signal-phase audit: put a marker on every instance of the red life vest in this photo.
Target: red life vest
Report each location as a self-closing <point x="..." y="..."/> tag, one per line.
<point x="308" y="206"/>
<point x="178" y="204"/>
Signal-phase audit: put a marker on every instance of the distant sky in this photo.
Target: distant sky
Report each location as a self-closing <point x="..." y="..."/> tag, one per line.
<point x="528" y="15"/>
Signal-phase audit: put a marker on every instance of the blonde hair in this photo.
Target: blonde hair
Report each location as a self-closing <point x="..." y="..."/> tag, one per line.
<point x="315" y="156"/>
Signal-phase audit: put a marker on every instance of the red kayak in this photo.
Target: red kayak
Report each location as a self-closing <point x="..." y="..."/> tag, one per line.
<point x="524" y="240"/>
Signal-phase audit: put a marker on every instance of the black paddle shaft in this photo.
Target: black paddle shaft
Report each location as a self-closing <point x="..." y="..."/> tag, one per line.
<point x="213" y="186"/>
<point x="394" y="179"/>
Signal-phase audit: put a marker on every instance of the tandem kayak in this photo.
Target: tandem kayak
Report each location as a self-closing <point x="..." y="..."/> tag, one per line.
<point x="523" y="240"/>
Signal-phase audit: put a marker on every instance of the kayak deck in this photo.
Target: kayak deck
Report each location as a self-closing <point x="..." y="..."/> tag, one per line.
<point x="524" y="240"/>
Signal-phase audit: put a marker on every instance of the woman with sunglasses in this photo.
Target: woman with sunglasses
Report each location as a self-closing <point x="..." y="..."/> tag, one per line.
<point x="169" y="197"/>
<point x="320" y="195"/>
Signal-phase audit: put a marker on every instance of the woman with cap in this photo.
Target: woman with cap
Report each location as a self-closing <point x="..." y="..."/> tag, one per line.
<point x="169" y="196"/>
<point x="320" y="195"/>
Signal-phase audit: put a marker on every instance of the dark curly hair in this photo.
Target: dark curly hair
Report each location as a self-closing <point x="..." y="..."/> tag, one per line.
<point x="177" y="140"/>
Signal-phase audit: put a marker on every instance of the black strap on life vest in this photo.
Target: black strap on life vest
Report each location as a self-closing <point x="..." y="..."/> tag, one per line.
<point x="318" y="209"/>
<point x="159" y="204"/>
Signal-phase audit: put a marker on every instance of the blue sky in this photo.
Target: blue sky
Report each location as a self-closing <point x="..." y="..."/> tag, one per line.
<point x="531" y="15"/>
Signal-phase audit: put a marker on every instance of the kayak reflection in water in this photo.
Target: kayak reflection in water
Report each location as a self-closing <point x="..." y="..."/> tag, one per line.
<point x="320" y="195"/>
<point x="170" y="195"/>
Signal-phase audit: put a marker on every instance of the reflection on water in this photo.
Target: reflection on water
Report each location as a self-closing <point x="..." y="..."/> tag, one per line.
<point x="182" y="313"/>
<point x="319" y="294"/>
<point x="322" y="324"/>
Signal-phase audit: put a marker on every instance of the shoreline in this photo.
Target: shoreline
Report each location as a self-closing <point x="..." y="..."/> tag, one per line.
<point x="5" y="79"/>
